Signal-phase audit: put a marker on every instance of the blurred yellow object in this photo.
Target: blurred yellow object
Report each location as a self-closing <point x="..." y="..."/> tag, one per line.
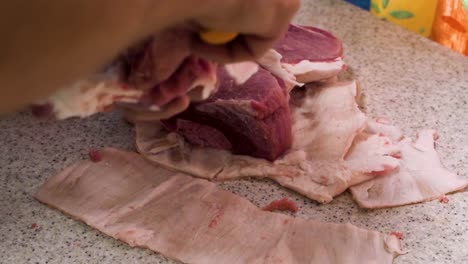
<point x="217" y="37"/>
<point x="414" y="15"/>
<point x="451" y="25"/>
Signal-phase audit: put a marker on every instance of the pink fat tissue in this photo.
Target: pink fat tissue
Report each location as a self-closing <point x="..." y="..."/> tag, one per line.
<point x="282" y="205"/>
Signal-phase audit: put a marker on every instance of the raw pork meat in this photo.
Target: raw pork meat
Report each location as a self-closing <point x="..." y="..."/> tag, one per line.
<point x="420" y="177"/>
<point x="144" y="70"/>
<point x="100" y="92"/>
<point x="282" y="205"/>
<point x="249" y="119"/>
<point x="325" y="120"/>
<point x="148" y="69"/>
<point x="192" y="221"/>
<point x="311" y="54"/>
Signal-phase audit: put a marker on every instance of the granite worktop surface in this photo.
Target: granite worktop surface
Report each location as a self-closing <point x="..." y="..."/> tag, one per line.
<point x="411" y="80"/>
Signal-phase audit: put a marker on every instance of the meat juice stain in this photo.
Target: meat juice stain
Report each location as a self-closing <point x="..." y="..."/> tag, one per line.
<point x="216" y="218"/>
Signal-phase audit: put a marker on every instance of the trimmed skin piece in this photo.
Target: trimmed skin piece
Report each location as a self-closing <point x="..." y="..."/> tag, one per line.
<point x="192" y="221"/>
<point x="420" y="177"/>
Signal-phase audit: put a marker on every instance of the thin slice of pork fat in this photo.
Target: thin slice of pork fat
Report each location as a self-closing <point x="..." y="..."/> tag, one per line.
<point x="193" y="221"/>
<point x="420" y="177"/>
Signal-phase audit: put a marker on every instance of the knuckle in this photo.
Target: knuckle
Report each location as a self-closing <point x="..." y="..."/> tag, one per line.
<point x="290" y="6"/>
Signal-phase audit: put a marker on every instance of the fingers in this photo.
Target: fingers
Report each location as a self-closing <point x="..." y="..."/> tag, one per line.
<point x="176" y="106"/>
<point x="169" y="49"/>
<point x="196" y="94"/>
<point x="260" y="23"/>
<point x="243" y="48"/>
<point x="157" y="58"/>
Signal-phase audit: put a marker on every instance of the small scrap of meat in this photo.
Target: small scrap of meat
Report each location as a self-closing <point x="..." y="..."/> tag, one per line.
<point x="398" y="235"/>
<point x="420" y="177"/>
<point x="172" y="212"/>
<point x="282" y="205"/>
<point x="95" y="155"/>
<point x="443" y="199"/>
<point x="34" y="226"/>
<point x="42" y="110"/>
<point x="311" y="54"/>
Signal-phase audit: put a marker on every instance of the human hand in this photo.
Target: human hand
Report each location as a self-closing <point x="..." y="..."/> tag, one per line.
<point x="73" y="41"/>
<point x="183" y="40"/>
<point x="260" y="23"/>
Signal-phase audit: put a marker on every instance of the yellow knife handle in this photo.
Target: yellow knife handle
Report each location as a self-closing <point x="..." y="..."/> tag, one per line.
<point x="217" y="37"/>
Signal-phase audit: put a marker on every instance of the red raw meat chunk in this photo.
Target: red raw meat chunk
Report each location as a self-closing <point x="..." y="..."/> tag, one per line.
<point x="253" y="117"/>
<point x="309" y="53"/>
<point x="95" y="155"/>
<point x="282" y="205"/>
<point x="308" y="43"/>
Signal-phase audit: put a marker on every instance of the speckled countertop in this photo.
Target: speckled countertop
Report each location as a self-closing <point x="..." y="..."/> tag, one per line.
<point x="407" y="78"/>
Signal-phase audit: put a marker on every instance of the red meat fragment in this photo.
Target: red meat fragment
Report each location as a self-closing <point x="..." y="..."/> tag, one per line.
<point x="42" y="111"/>
<point x="95" y="155"/>
<point x="34" y="226"/>
<point x="282" y="205"/>
<point x="443" y="199"/>
<point x="399" y="235"/>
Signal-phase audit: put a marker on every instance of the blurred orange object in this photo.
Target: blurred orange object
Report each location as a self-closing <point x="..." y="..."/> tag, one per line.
<point x="217" y="37"/>
<point x="450" y="26"/>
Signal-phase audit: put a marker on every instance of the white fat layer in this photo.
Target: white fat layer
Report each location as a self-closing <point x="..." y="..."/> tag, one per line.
<point x="87" y="97"/>
<point x="241" y="71"/>
<point x="272" y="62"/>
<point x="309" y="71"/>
